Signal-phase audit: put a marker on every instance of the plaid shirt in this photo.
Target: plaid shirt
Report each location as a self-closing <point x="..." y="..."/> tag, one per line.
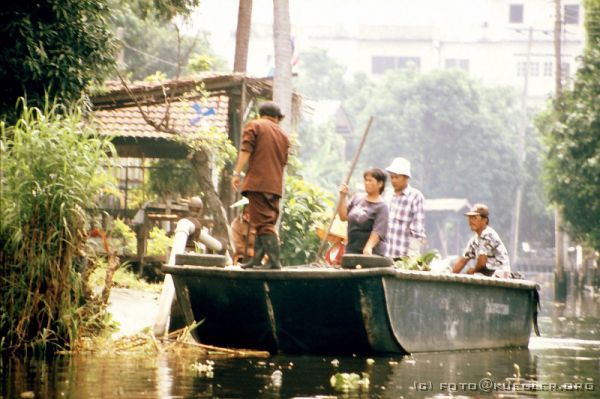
<point x="407" y="219"/>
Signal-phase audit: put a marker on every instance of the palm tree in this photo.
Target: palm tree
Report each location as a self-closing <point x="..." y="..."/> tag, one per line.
<point x="282" y="82"/>
<point x="242" y="36"/>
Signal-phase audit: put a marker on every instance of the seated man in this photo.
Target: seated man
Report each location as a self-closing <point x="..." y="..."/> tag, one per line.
<point x="486" y="247"/>
<point x="191" y="225"/>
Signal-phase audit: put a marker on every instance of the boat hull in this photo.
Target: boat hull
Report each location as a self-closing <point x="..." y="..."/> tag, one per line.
<point x="382" y="310"/>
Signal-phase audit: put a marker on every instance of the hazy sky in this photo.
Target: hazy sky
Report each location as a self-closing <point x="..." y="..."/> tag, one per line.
<point x="455" y="17"/>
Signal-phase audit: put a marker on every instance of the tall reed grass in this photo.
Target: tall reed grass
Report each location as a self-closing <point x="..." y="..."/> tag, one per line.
<point x="50" y="173"/>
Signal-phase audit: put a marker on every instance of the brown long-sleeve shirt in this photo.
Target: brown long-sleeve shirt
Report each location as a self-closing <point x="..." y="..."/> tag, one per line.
<point x="268" y="146"/>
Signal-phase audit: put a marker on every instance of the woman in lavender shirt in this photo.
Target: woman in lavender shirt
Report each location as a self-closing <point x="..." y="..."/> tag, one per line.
<point x="367" y="215"/>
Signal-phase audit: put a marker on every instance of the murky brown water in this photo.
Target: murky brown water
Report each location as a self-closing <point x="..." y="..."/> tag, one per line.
<point x="564" y="362"/>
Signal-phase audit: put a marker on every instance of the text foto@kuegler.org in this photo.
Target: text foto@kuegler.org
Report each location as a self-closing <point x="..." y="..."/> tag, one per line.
<point x="489" y="385"/>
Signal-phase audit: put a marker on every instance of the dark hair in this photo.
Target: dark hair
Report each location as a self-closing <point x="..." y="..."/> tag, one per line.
<point x="269" y="108"/>
<point x="377" y="174"/>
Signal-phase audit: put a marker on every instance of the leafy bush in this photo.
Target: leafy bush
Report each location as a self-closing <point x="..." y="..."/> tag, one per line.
<point x="158" y="242"/>
<point x="421" y="262"/>
<point x="305" y="207"/>
<point x="50" y="176"/>
<point x="168" y="177"/>
<point x="122" y="238"/>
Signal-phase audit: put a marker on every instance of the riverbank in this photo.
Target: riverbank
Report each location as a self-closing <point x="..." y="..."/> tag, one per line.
<point x="133" y="310"/>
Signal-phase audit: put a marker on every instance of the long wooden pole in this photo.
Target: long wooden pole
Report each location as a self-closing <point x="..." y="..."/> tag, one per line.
<point x="348" y="176"/>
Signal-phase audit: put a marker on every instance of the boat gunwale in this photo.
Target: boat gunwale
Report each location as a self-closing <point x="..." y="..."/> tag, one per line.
<point x="309" y="272"/>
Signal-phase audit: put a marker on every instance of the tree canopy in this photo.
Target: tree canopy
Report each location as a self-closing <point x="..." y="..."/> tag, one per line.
<point x="572" y="133"/>
<point x="459" y="136"/>
<point x="320" y="77"/>
<point x="151" y="42"/>
<point x="54" y="48"/>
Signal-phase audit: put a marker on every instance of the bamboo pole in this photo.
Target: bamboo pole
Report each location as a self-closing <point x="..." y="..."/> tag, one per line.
<point x="348" y="176"/>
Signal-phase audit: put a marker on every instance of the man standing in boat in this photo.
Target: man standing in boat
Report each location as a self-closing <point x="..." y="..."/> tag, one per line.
<point x="406" y="226"/>
<point x="264" y="149"/>
<point x="486" y="247"/>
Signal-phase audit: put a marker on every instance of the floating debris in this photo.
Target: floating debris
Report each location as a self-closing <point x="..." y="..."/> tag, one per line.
<point x="276" y="378"/>
<point x="370" y="361"/>
<point x="204" y="370"/>
<point x="335" y="363"/>
<point x="346" y="382"/>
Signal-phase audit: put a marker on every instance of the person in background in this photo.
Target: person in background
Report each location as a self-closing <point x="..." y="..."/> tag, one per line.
<point x="193" y="216"/>
<point x="337" y="237"/>
<point x="406" y="227"/>
<point x="243" y="233"/>
<point x="485" y="247"/>
<point x="264" y="149"/>
<point x="367" y="215"/>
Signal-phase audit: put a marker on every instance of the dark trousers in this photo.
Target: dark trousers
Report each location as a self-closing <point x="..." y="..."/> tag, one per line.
<point x="264" y="211"/>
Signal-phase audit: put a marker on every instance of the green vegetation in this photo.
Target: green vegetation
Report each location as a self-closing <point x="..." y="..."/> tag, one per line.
<point x="123" y="277"/>
<point x="170" y="178"/>
<point x="158" y="242"/>
<point x="50" y="175"/>
<point x="57" y="48"/>
<point x="305" y="207"/>
<point x="316" y="85"/>
<point x="460" y="138"/>
<point x="122" y="238"/>
<point x="420" y="263"/>
<point x="151" y="41"/>
<point x="322" y="154"/>
<point x="572" y="132"/>
<point x="350" y="382"/>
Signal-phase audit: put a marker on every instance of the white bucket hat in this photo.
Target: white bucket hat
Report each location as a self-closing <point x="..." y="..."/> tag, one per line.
<point x="400" y="166"/>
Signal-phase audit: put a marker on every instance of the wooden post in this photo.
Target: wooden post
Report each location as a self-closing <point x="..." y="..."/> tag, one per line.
<point x="348" y="176"/>
<point x="560" y="281"/>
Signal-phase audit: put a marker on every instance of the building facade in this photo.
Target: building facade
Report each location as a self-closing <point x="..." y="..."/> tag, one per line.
<point x="493" y="40"/>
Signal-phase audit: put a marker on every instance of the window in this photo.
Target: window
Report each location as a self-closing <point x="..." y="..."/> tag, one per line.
<point x="516" y="14"/>
<point x="571" y="14"/>
<point x="381" y="64"/>
<point x="460" y="63"/>
<point x="534" y="68"/>
<point x="548" y="68"/>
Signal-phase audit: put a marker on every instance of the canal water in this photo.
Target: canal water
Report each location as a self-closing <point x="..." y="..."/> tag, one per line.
<point x="563" y="362"/>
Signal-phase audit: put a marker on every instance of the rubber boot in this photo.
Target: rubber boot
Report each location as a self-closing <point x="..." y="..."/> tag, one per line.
<point x="270" y="243"/>
<point x="259" y="253"/>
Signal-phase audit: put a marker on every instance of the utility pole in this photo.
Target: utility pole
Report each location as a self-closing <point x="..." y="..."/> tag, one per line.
<point x="521" y="152"/>
<point x="560" y="281"/>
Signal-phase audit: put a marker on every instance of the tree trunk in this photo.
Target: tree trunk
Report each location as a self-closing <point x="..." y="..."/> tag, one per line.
<point x="242" y="36"/>
<point x="203" y="172"/>
<point x="282" y="82"/>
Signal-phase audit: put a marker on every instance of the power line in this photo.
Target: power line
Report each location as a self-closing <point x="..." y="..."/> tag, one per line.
<point x="147" y="54"/>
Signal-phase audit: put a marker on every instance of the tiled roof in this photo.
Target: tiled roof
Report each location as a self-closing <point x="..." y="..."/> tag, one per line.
<point x="184" y="116"/>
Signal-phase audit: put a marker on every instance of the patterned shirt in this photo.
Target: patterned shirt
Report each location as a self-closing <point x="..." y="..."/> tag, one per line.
<point x="407" y="220"/>
<point x="489" y="244"/>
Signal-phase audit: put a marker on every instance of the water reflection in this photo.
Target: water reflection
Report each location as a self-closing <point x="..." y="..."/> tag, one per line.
<point x="567" y="353"/>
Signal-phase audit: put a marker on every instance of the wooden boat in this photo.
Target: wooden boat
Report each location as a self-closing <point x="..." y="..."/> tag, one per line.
<point x="311" y="309"/>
